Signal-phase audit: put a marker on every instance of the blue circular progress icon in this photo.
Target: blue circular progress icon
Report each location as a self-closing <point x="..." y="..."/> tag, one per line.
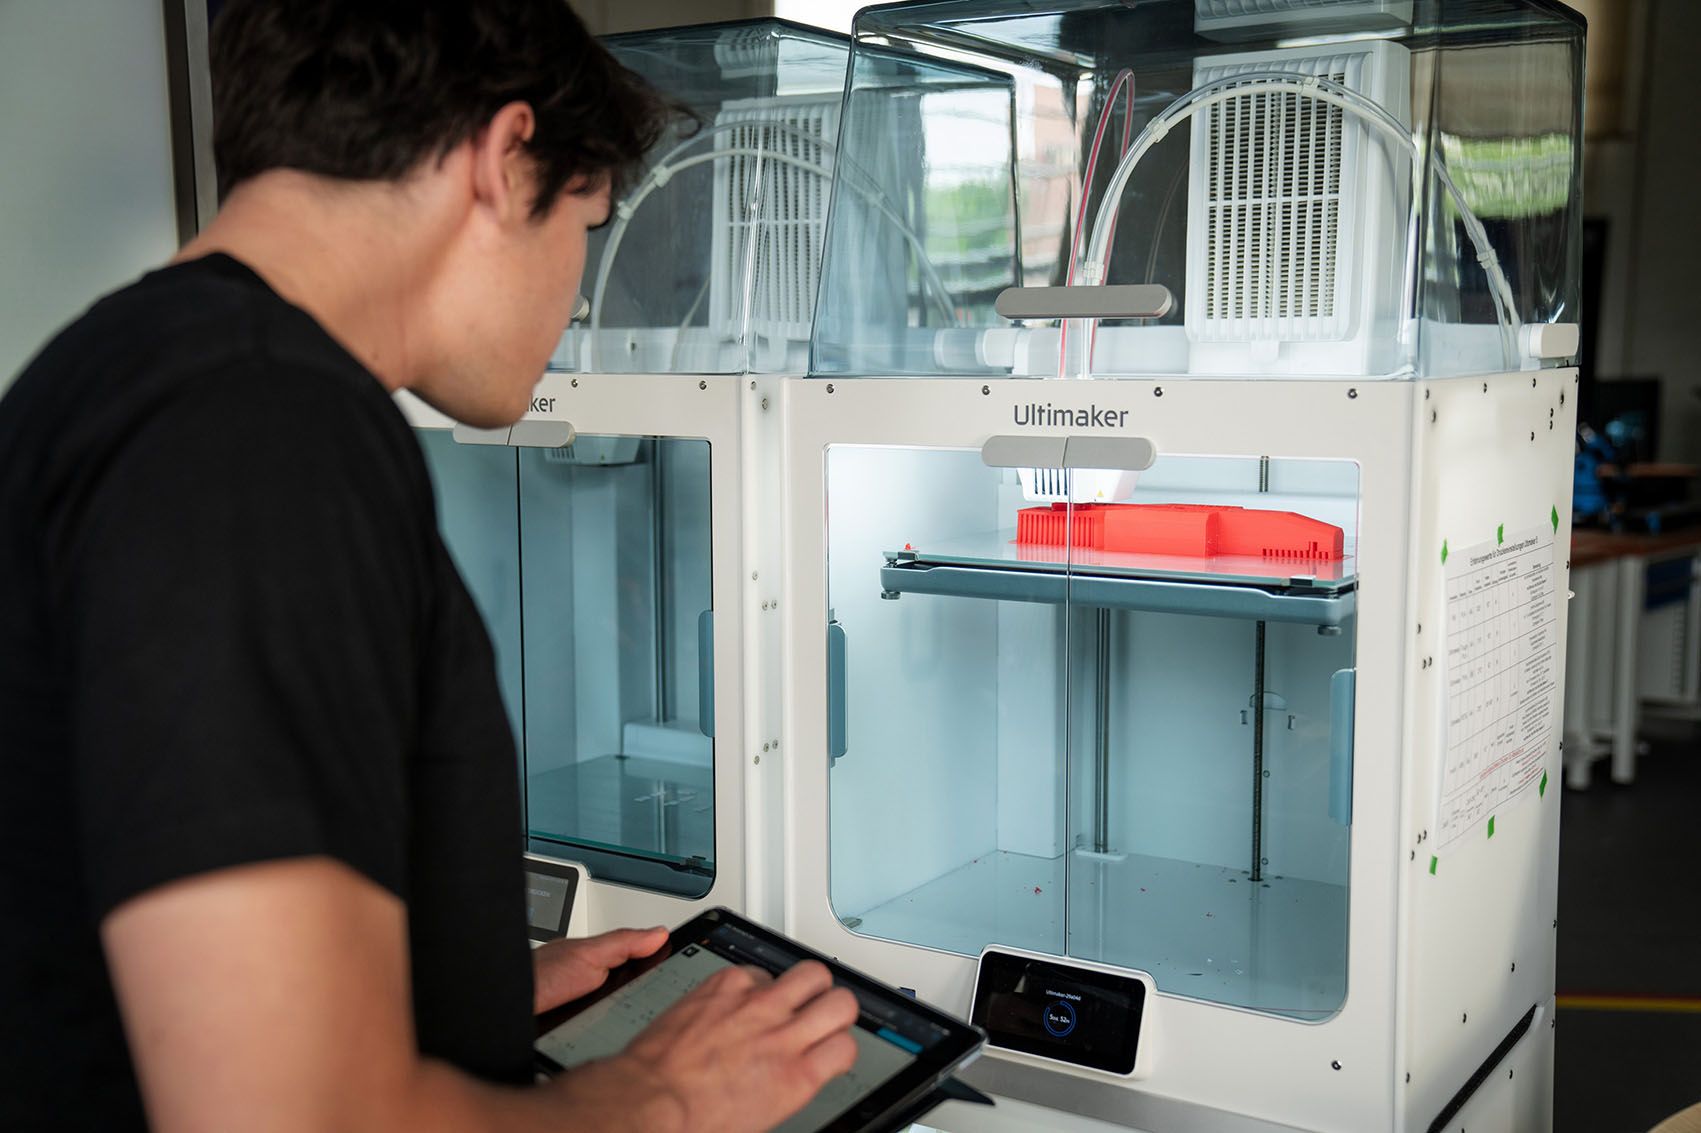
<point x="1060" y="1018"/>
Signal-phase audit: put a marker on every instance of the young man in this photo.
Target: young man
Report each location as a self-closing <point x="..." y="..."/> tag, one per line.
<point x="259" y="817"/>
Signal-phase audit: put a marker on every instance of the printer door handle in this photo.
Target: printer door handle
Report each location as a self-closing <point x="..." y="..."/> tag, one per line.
<point x="838" y="739"/>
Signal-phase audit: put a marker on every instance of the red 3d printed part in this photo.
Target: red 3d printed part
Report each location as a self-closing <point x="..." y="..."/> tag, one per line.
<point x="1193" y="530"/>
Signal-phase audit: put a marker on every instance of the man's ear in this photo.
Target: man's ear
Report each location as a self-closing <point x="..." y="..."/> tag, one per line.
<point x="503" y="177"/>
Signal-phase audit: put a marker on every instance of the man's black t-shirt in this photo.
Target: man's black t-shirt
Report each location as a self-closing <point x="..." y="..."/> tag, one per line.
<point x="230" y="633"/>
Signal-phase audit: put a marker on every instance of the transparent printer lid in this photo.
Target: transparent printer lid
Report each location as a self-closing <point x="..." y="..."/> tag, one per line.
<point x="710" y="262"/>
<point x="1296" y="188"/>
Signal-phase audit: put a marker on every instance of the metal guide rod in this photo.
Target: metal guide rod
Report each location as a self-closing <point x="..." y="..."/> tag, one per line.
<point x="1101" y="740"/>
<point x="1258" y="719"/>
<point x="1258" y="756"/>
<point x="658" y="580"/>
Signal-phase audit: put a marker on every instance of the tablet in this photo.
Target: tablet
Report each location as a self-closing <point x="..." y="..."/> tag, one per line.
<point x="905" y="1048"/>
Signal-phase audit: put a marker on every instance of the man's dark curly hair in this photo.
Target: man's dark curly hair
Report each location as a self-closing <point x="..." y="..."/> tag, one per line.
<point x="364" y="90"/>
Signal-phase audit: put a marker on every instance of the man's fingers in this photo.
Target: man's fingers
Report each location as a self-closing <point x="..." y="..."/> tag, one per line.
<point x="646" y="941"/>
<point x="736" y="980"/>
<point x="828" y="1014"/>
<point x="611" y="949"/>
<point x="829" y="1058"/>
<point x="799" y="984"/>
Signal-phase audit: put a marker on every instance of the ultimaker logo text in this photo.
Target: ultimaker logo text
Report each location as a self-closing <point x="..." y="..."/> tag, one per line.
<point x="1092" y="417"/>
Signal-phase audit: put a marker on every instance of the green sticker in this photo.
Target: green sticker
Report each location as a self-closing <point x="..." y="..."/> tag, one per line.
<point x="1443" y="552"/>
<point x="1432" y="863"/>
<point x="1555" y="518"/>
<point x="1541" y="788"/>
<point x="1491" y="826"/>
<point x="1500" y="535"/>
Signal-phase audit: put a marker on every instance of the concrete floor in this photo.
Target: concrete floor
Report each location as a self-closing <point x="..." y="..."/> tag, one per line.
<point x="1630" y="927"/>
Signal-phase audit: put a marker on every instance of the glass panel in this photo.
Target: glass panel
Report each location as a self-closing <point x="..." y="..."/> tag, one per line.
<point x="1050" y="745"/>
<point x="1255" y="160"/>
<point x="92" y="206"/>
<point x="925" y="216"/>
<point x="478" y="513"/>
<point x="1210" y="773"/>
<point x="619" y="747"/>
<point x="711" y="261"/>
<point x="601" y="655"/>
<point x="946" y="804"/>
<point x="1500" y="105"/>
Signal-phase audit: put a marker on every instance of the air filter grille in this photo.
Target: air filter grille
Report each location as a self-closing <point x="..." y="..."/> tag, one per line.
<point x="1274" y="211"/>
<point x="780" y="204"/>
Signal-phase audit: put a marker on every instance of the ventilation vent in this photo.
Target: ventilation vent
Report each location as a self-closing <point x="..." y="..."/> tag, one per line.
<point x="771" y="188"/>
<point x="1278" y="180"/>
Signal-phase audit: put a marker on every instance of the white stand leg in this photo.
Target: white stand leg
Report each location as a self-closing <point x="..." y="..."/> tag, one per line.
<point x="1632" y="581"/>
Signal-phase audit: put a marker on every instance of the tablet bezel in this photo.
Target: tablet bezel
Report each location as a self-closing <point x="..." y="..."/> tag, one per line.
<point x="961" y="1046"/>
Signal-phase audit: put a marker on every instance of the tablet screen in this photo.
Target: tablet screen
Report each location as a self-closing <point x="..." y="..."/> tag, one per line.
<point x="889" y="1038"/>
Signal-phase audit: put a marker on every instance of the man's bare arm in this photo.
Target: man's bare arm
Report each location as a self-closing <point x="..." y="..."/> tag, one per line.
<point x="275" y="998"/>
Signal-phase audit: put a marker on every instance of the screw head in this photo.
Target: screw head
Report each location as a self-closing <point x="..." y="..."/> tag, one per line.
<point x="1464" y="1018"/>
<point x="1157" y="391"/>
<point x="764" y="747"/>
<point x="1352" y="393"/>
<point x="1432" y="416"/>
<point x="575" y="383"/>
<point x="702" y="385"/>
<point x="1335" y="1065"/>
<point x="755" y="759"/>
<point x="829" y="387"/>
<point x="986" y="389"/>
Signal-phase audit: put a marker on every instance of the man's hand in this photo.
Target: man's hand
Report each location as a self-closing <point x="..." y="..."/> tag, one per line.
<point x="739" y="1053"/>
<point x="564" y="970"/>
<point x="274" y="998"/>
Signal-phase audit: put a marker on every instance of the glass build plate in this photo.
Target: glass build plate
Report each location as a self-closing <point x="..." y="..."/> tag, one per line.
<point x="1202" y="931"/>
<point x="1000" y="549"/>
<point x="627" y="804"/>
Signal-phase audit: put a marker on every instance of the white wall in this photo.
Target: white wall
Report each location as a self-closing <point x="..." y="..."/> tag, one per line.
<point x="86" y="200"/>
